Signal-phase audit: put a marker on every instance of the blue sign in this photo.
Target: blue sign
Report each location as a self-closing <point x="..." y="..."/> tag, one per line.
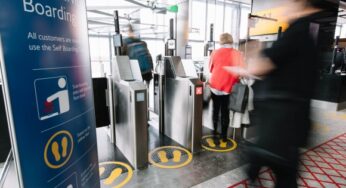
<point x="45" y="64"/>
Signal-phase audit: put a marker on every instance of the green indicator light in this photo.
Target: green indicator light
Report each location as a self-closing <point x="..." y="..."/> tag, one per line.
<point x="173" y="8"/>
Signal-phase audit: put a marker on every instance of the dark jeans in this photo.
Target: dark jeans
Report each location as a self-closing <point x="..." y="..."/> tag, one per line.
<point x="282" y="127"/>
<point x="285" y="171"/>
<point x="220" y="102"/>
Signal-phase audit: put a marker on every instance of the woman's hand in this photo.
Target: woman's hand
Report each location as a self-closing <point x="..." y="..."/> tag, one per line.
<point x="239" y="71"/>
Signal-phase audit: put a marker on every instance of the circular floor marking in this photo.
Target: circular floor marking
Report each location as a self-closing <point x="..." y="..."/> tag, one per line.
<point x="115" y="174"/>
<point x="210" y="143"/>
<point x="170" y="157"/>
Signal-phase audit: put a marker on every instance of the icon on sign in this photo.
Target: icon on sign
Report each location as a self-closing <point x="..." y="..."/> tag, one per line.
<point x="52" y="97"/>
<point x="58" y="149"/>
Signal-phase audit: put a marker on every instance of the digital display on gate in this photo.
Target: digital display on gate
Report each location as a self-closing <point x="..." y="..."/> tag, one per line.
<point x="199" y="90"/>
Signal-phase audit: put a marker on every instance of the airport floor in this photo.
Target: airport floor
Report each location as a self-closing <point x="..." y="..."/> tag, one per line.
<point x="323" y="161"/>
<point x="209" y="169"/>
<point x="220" y="170"/>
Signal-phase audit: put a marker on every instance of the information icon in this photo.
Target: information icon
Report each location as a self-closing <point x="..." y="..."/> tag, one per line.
<point x="52" y="97"/>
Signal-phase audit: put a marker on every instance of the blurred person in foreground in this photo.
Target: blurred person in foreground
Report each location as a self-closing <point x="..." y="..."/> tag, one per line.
<point x="282" y="100"/>
<point x="137" y="49"/>
<point x="221" y="82"/>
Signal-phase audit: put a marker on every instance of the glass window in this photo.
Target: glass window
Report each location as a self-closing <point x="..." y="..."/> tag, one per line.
<point x="216" y="18"/>
<point x="338" y="31"/>
<point x="99" y="48"/>
<point x="342" y="31"/>
<point x="155" y="47"/>
<point x="100" y="55"/>
<point x="219" y="19"/>
<point x="244" y="21"/>
<point x="230" y="19"/>
<point x="198" y="20"/>
<point x="197" y="50"/>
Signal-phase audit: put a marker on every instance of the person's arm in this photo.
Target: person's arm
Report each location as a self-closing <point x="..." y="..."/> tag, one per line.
<point x="260" y="66"/>
<point x="256" y="68"/>
<point x="257" y="65"/>
<point x="264" y="61"/>
<point x="54" y="96"/>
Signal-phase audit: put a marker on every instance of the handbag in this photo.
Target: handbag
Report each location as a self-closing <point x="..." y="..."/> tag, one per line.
<point x="239" y="98"/>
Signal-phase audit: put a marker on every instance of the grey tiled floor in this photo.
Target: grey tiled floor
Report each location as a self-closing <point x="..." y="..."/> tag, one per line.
<point x="204" y="166"/>
<point x="210" y="169"/>
<point x="327" y="125"/>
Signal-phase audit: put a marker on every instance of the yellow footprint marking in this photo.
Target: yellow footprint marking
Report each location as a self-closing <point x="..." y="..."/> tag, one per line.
<point x="163" y="156"/>
<point x="55" y="151"/>
<point x="223" y="144"/>
<point x="114" y="175"/>
<point x="176" y="156"/>
<point x="102" y="170"/>
<point x="64" y="146"/>
<point x="211" y="143"/>
<point x="341" y="116"/>
<point x="336" y="116"/>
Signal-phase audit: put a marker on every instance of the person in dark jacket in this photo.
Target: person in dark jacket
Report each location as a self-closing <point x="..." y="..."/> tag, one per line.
<point x="137" y="49"/>
<point x="282" y="99"/>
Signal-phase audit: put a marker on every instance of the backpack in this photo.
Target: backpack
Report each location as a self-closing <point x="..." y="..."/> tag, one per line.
<point x="137" y="49"/>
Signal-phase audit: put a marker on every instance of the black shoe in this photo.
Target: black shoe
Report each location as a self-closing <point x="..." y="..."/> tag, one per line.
<point x="216" y="140"/>
<point x="215" y="134"/>
<point x="224" y="138"/>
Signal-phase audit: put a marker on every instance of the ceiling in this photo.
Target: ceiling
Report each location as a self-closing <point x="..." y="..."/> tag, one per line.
<point x="100" y="12"/>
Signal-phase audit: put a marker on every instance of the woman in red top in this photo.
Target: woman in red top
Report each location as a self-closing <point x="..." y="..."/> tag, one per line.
<point x="221" y="82"/>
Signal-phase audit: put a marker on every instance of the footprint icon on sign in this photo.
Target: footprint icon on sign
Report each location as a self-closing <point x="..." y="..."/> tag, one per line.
<point x="56" y="149"/>
<point x="64" y="144"/>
